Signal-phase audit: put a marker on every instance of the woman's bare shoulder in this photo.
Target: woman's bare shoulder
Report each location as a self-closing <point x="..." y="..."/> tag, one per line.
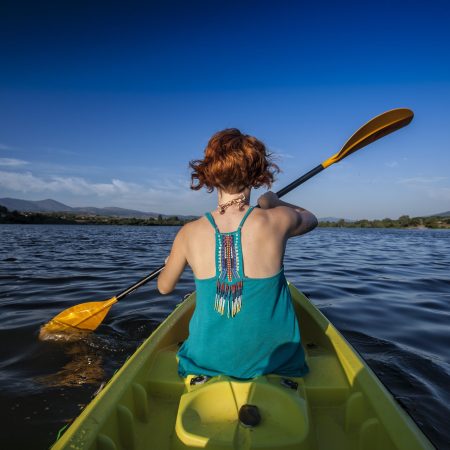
<point x="277" y="215"/>
<point x="195" y="227"/>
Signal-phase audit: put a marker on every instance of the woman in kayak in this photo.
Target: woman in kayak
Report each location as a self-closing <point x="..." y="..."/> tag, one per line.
<point x="244" y="324"/>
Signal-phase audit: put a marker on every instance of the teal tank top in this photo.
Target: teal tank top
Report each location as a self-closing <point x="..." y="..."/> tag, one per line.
<point x="241" y="327"/>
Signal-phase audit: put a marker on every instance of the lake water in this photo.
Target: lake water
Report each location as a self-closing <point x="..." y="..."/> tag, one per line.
<point x="387" y="291"/>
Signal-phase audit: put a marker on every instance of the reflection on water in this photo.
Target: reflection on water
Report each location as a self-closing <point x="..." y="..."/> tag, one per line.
<point x="66" y="335"/>
<point x="386" y="290"/>
<point x="85" y="366"/>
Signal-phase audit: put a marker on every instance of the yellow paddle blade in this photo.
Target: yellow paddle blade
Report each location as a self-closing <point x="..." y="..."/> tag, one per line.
<point x="375" y="129"/>
<point x="83" y="317"/>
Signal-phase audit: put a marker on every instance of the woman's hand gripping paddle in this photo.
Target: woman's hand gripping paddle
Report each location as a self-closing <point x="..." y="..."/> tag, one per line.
<point x="88" y="316"/>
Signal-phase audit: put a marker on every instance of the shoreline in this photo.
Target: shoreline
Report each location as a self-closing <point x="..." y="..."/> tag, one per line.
<point x="55" y="218"/>
<point x="417" y="228"/>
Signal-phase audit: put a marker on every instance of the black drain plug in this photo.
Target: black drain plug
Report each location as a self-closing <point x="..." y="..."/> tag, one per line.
<point x="249" y="416"/>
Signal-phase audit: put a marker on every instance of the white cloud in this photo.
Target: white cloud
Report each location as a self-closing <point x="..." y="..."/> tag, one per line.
<point x="391" y="164"/>
<point x="442" y="193"/>
<point x="282" y="156"/>
<point x="279" y="155"/>
<point x="12" y="162"/>
<point x="428" y="186"/>
<point x="27" y="182"/>
<point x="166" y="195"/>
<point x="421" y="180"/>
<point x="5" y="147"/>
<point x="60" y="151"/>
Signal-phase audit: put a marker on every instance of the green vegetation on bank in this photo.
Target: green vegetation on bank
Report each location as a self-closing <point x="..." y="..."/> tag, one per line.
<point x="82" y="219"/>
<point x="401" y="222"/>
<point x="77" y="219"/>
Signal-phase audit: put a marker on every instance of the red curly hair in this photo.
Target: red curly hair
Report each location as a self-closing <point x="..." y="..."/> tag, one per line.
<point x="233" y="161"/>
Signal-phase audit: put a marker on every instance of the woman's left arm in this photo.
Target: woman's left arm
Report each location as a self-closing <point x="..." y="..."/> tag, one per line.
<point x="175" y="264"/>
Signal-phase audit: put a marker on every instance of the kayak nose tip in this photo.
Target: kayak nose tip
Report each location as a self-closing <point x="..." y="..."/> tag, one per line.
<point x="249" y="416"/>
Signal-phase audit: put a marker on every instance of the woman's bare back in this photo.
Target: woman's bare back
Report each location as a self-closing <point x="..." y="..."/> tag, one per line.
<point x="264" y="235"/>
<point x="263" y="242"/>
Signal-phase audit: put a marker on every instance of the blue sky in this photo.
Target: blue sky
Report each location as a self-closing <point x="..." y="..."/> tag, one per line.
<point x="105" y="103"/>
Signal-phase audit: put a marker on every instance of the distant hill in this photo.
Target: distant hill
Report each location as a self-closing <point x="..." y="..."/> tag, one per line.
<point x="47" y="205"/>
<point x="50" y="205"/>
<point x="114" y="212"/>
<point x="443" y="214"/>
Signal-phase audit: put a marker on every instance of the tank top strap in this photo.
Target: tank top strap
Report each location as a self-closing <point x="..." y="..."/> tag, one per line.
<point x="249" y="210"/>
<point x="210" y="218"/>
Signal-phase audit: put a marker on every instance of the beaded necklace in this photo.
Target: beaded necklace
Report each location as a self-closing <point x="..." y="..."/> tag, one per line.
<point x="238" y="200"/>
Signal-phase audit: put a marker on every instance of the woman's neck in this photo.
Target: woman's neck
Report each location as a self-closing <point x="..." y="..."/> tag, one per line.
<point x="224" y="197"/>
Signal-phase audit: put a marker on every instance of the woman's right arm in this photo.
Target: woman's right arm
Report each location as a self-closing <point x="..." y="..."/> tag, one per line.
<point x="175" y="263"/>
<point x="298" y="220"/>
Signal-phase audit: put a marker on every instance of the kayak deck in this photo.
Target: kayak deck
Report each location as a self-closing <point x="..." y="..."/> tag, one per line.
<point x="340" y="404"/>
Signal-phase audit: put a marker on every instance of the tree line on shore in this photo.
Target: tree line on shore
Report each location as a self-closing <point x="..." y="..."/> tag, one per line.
<point x="7" y="216"/>
<point x="401" y="222"/>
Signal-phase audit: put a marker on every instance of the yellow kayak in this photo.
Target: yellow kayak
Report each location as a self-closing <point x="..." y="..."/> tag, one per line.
<point x="340" y="404"/>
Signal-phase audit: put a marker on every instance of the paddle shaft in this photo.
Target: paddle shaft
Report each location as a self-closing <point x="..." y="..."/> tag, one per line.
<point x="300" y="180"/>
<point x="141" y="282"/>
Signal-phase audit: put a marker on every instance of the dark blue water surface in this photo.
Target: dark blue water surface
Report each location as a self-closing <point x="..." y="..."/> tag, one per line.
<point x="387" y="291"/>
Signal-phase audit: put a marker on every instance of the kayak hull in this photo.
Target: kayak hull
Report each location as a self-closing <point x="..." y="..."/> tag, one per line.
<point x="340" y="404"/>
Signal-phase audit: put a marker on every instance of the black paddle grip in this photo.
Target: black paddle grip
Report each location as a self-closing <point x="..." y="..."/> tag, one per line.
<point x="300" y="180"/>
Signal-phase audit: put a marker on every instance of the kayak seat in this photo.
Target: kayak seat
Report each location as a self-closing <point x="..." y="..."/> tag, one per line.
<point x="202" y="423"/>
